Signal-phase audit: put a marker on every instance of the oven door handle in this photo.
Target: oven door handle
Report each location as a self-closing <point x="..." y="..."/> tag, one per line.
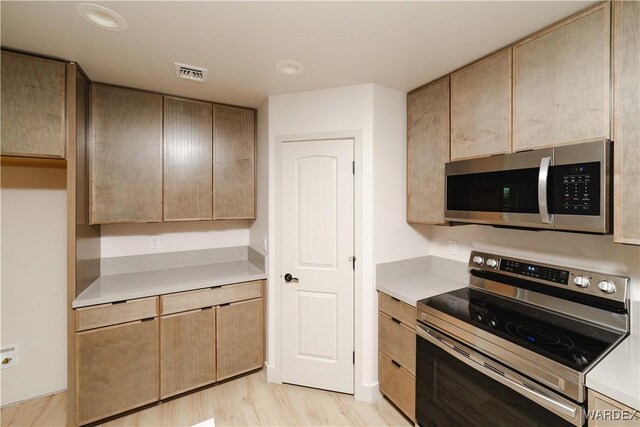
<point x="543" y="180"/>
<point x="558" y="405"/>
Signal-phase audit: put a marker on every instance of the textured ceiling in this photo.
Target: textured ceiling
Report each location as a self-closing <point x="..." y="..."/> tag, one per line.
<point x="400" y="45"/>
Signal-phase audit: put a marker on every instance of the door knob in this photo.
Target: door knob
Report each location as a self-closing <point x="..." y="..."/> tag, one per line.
<point x="289" y="278"/>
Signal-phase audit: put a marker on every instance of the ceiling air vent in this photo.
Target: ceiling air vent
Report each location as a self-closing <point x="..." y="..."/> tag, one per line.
<point x="190" y="72"/>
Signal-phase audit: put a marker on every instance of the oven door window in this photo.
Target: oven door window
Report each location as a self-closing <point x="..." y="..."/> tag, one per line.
<point x="513" y="191"/>
<point x="451" y="393"/>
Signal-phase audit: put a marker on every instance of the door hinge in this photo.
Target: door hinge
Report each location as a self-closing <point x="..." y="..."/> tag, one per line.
<point x="353" y="260"/>
<point x="353" y="164"/>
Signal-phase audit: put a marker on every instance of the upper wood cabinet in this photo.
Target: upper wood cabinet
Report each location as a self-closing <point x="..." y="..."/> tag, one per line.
<point x="33" y="106"/>
<point x="481" y="107"/>
<point x="126" y="155"/>
<point x="156" y="158"/>
<point x="234" y="163"/>
<point x="626" y="124"/>
<point x="428" y="137"/>
<point x="561" y="83"/>
<point x="188" y="160"/>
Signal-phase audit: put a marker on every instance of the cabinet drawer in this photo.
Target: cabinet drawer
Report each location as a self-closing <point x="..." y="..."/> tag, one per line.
<point x="397" y="341"/>
<point x="192" y="300"/>
<point x="397" y="309"/>
<point x="112" y="314"/>
<point x="398" y="385"/>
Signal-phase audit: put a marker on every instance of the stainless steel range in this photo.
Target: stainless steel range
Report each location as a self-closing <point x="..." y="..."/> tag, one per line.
<point x="513" y="348"/>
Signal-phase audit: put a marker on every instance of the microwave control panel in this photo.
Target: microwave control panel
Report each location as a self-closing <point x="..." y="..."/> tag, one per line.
<point x="576" y="189"/>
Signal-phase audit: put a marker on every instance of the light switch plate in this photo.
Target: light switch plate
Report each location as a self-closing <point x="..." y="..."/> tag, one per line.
<point x="453" y="247"/>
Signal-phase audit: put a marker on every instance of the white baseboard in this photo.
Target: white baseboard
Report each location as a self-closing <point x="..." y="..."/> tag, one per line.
<point x="273" y="374"/>
<point x="367" y="392"/>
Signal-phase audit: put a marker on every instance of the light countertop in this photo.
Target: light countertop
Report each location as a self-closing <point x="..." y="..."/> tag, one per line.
<point x="419" y="278"/>
<point x="119" y="287"/>
<point x="618" y="374"/>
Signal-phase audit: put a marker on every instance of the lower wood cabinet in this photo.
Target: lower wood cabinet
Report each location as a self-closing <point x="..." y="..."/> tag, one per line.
<point x="117" y="369"/>
<point x="240" y="338"/>
<point x="188" y="351"/>
<point x="397" y="384"/>
<point x="137" y="352"/>
<point x="606" y="412"/>
<point x="397" y="352"/>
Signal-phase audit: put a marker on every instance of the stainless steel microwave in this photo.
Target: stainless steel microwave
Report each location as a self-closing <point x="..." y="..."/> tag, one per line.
<point x="559" y="188"/>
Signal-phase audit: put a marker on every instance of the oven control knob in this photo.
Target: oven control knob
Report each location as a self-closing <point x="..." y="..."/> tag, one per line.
<point x="492" y="263"/>
<point x="607" y="286"/>
<point x="478" y="260"/>
<point x="581" y="281"/>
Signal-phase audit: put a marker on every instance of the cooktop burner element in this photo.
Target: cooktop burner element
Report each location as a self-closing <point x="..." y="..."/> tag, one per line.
<point x="540" y="336"/>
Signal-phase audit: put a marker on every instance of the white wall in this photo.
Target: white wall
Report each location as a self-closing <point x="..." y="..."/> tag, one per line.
<point x="34" y="277"/>
<point x="136" y="239"/>
<point x="591" y="252"/>
<point x="379" y="115"/>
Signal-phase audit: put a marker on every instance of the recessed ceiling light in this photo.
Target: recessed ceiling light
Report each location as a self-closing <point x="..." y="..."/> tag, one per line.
<point x="289" y="67"/>
<point x="102" y="17"/>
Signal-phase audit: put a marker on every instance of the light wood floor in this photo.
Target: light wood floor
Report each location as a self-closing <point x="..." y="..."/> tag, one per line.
<point x="246" y="401"/>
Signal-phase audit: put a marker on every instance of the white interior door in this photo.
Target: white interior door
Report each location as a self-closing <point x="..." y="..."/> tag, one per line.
<point x="316" y="245"/>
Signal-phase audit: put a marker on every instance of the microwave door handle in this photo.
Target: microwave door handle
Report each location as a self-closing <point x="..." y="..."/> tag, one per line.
<point x="543" y="179"/>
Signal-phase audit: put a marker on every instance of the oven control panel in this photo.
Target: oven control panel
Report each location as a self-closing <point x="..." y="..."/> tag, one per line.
<point x="537" y="271"/>
<point x="600" y="285"/>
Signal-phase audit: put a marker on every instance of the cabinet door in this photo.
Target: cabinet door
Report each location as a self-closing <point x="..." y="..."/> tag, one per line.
<point x="117" y="369"/>
<point x="481" y="108"/>
<point x="427" y="151"/>
<point x="626" y="124"/>
<point x="610" y="413"/>
<point x="188" y="355"/>
<point x="126" y="155"/>
<point x="234" y="163"/>
<point x="240" y="336"/>
<point x="33" y="106"/>
<point x="188" y="160"/>
<point x="562" y="83"/>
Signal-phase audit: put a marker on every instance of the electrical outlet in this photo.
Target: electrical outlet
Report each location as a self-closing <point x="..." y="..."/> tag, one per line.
<point x="155" y="242"/>
<point x="10" y="356"/>
<point x="266" y="246"/>
<point x="453" y="247"/>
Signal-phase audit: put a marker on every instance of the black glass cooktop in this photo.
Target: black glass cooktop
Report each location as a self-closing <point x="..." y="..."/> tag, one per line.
<point x="570" y="342"/>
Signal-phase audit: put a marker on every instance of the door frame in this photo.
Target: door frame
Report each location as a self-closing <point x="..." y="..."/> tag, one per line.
<point x="356" y="136"/>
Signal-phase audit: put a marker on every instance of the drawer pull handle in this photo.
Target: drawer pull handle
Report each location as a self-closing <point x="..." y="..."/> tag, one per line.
<point x="118" y="302"/>
<point x="148" y="319"/>
<point x="395" y="320"/>
<point x="396" y="364"/>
